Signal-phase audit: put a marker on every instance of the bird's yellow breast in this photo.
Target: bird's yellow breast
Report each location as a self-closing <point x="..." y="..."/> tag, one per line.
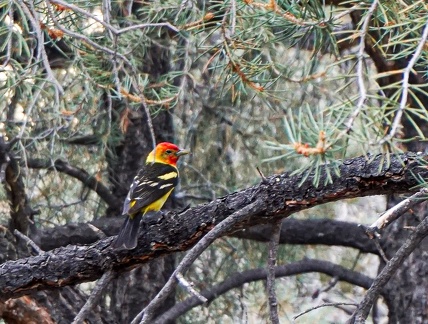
<point x="157" y="205"/>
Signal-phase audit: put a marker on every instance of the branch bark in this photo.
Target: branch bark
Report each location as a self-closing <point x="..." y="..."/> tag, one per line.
<point x="164" y="234"/>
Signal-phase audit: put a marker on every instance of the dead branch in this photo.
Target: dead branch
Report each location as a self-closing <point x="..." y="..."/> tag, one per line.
<point x="279" y="197"/>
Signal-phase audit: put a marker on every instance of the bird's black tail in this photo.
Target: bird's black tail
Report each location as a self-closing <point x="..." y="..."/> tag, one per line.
<point x="128" y="234"/>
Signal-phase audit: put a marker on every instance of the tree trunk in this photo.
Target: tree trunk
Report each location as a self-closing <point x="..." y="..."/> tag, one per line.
<point x="408" y="289"/>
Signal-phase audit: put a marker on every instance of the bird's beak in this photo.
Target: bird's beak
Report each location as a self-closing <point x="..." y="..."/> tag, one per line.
<point x="182" y="152"/>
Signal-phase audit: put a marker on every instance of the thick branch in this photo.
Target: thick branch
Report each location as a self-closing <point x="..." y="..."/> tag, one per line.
<point x="78" y="173"/>
<point x="293" y="231"/>
<point x="314" y="231"/>
<point x="237" y="279"/>
<point x="280" y="195"/>
<point x="28" y="309"/>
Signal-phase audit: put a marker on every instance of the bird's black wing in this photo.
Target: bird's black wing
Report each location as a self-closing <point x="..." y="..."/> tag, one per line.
<point x="151" y="183"/>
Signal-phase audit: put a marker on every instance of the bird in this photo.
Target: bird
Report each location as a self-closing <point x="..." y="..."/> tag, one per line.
<point x="151" y="187"/>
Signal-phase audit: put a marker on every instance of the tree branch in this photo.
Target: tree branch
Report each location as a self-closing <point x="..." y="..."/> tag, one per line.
<point x="241" y="214"/>
<point x="78" y="173"/>
<point x="237" y="279"/>
<point x="360" y="315"/>
<point x="280" y="195"/>
<point x="28" y="309"/>
<point x="12" y="177"/>
<point x="323" y="305"/>
<point x="94" y="297"/>
<point x="271" y="263"/>
<point x="314" y="231"/>
<point x="395" y="212"/>
<point x="293" y="231"/>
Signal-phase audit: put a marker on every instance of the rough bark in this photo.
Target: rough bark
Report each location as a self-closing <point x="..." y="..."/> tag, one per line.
<point x="280" y="196"/>
<point x="24" y="310"/>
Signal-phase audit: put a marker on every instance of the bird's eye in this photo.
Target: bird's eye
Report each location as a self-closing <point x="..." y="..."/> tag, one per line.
<point x="168" y="152"/>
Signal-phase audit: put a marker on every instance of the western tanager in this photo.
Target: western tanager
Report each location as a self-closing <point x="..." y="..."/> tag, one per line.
<point x="150" y="189"/>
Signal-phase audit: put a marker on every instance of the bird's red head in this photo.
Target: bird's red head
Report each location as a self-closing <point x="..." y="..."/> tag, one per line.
<point x="167" y="153"/>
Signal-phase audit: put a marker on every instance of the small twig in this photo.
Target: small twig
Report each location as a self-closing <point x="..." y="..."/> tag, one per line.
<point x="94" y="297"/>
<point x="341" y="307"/>
<point x="264" y="179"/>
<point x="100" y="234"/>
<point x="34" y="20"/>
<point x="141" y="26"/>
<point x="29" y="241"/>
<point x="332" y="282"/>
<point x="29" y="109"/>
<point x="9" y="37"/>
<point x="322" y="305"/>
<point x="354" y="264"/>
<point x="395" y="212"/>
<point x="406" y="75"/>
<point x="82" y="175"/>
<point x="347" y="12"/>
<point x="106" y="9"/>
<point x="360" y="65"/>
<point x="83" y="37"/>
<point x="381" y="251"/>
<point x="411" y="228"/>
<point x="414" y="239"/>
<point x="207" y="183"/>
<point x="147" y="111"/>
<point x="106" y="25"/>
<point x="147" y="313"/>
<point x="270" y="282"/>
<point x="189" y="287"/>
<point x="233" y="17"/>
